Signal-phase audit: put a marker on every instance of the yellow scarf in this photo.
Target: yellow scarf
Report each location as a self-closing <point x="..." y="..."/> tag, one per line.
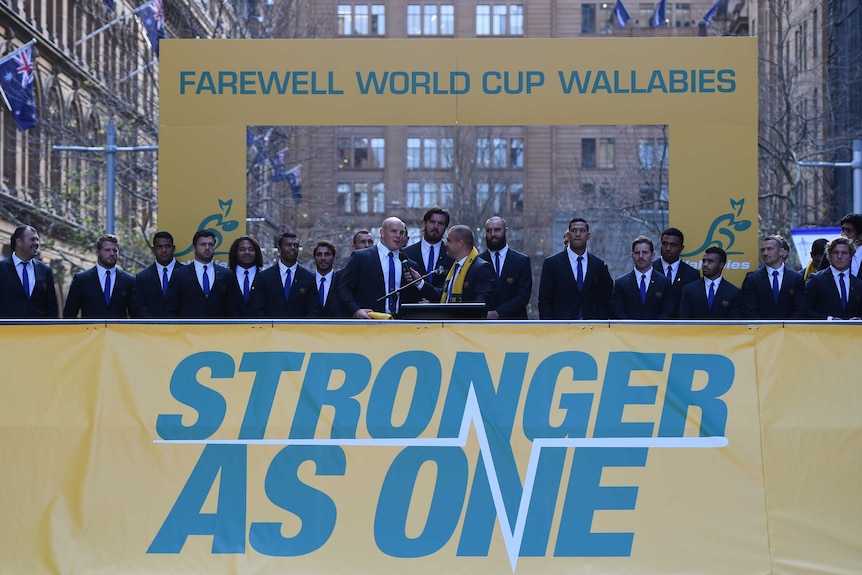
<point x="458" y="288"/>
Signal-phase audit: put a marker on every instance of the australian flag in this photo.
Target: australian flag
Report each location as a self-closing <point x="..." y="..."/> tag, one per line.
<point x="110" y="5"/>
<point x="659" y="14"/>
<point x="621" y="14"/>
<point x="294" y="180"/>
<point x="153" y="19"/>
<point x="17" y="72"/>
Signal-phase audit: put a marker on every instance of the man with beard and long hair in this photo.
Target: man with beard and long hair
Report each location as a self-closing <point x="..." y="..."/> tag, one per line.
<point x="513" y="270"/>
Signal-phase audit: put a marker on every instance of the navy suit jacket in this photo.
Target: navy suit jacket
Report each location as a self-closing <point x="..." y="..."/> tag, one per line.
<point x="87" y="296"/>
<point x="758" y="301"/>
<point x="332" y="305"/>
<point x="238" y="304"/>
<point x="361" y="284"/>
<point x="513" y="287"/>
<point x="685" y="274"/>
<point x="148" y="300"/>
<point x="414" y="253"/>
<point x="186" y="299"/>
<point x="727" y="303"/>
<point x="267" y="297"/>
<point x="14" y="302"/>
<point x="823" y="298"/>
<point x="559" y="297"/>
<point x="479" y="284"/>
<point x="627" y="304"/>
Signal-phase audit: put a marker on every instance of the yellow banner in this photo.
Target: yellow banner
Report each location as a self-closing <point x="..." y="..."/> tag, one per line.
<point x="462" y="448"/>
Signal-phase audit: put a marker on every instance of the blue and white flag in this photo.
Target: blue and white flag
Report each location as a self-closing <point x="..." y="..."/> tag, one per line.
<point x="153" y="19"/>
<point x="294" y="180"/>
<point x="659" y="15"/>
<point x="621" y="14"/>
<point x="17" y="72"/>
<point x="110" y="5"/>
<point x="707" y="18"/>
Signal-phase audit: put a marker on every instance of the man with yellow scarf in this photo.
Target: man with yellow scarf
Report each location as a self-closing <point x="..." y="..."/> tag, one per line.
<point x="471" y="279"/>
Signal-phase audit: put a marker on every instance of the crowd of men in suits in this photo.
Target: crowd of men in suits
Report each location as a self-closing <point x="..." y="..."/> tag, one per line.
<point x="379" y="278"/>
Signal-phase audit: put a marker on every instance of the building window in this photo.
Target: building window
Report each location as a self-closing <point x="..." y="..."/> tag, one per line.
<point x="682" y="15"/>
<point x="597" y="18"/>
<point x="597" y="153"/>
<point x="429" y="153"/>
<point x="361" y="19"/>
<point x="361" y="197"/>
<point x="506" y="198"/>
<point x="645" y="14"/>
<point x="430" y="20"/>
<point x="652" y="153"/>
<point x="500" y="153"/>
<point x="499" y="19"/>
<point x="588" y="18"/>
<point x="361" y="153"/>
<point x="429" y="194"/>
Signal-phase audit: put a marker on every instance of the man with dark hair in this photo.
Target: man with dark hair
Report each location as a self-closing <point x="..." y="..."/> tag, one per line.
<point x="471" y="279"/>
<point x="851" y="228"/>
<point x="670" y="265"/>
<point x="103" y="291"/>
<point x="286" y="290"/>
<point x="643" y="293"/>
<point x="834" y="293"/>
<point x="575" y="284"/>
<point x="26" y="284"/>
<point x="711" y="297"/>
<point x="818" y="251"/>
<point x="151" y="283"/>
<point x="326" y="279"/>
<point x="201" y="289"/>
<point x="773" y="291"/>
<point x="429" y="252"/>
<point x="245" y="260"/>
<point x="512" y="269"/>
<point x="362" y="239"/>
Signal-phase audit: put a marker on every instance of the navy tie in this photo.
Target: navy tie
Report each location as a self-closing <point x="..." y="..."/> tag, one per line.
<point x="497" y="263"/>
<point x="670" y="273"/>
<point x="580" y="273"/>
<point x="164" y="281"/>
<point x="245" y="287"/>
<point x="321" y="293"/>
<point x="287" y="282"/>
<point x="775" y="285"/>
<point x="711" y="295"/>
<point x="452" y="282"/>
<point x="431" y="260"/>
<point x="206" y="283"/>
<point x="843" y="291"/>
<point x="643" y="288"/>
<point x="25" y="279"/>
<point x="108" y="287"/>
<point x="393" y="297"/>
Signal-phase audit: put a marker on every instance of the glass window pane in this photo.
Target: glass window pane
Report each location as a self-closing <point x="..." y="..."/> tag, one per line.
<point x="360" y="152"/>
<point x="414" y="149"/>
<point x="516" y="153"/>
<point x="344" y="20"/>
<point x="344" y="152"/>
<point x="606" y="17"/>
<point x="378" y="198"/>
<point x="447" y="192"/>
<point x="378" y="19"/>
<point x="414" y="195"/>
<point x="429" y="196"/>
<point x="483" y="19"/>
<point x="646" y="153"/>
<point x="429" y="153"/>
<point x="661" y="152"/>
<point x="499" y="21"/>
<point x="483" y="153"/>
<point x="414" y="20"/>
<point x="360" y="196"/>
<point x="588" y="153"/>
<point x="481" y="194"/>
<point x="606" y="153"/>
<point x="447" y="20"/>
<point x="682" y="15"/>
<point x="447" y="152"/>
<point x="500" y="152"/>
<point x="516" y="20"/>
<point x="344" y="199"/>
<point x="588" y="18"/>
<point x="516" y="198"/>
<point x="378" y="153"/>
<point x="429" y="22"/>
<point x="360" y="17"/>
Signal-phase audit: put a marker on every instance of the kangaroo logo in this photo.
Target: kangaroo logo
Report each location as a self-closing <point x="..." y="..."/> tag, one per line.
<point x="216" y="223"/>
<point x="724" y="225"/>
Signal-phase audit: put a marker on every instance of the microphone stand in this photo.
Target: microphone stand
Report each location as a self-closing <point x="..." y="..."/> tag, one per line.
<point x="437" y="271"/>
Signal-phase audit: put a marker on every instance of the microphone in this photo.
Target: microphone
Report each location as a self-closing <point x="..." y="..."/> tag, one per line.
<point x="439" y="270"/>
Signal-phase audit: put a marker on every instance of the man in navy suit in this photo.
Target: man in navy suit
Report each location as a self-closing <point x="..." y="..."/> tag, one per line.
<point x="26" y="284"/>
<point x="429" y="252"/>
<point x="245" y="260"/>
<point x="671" y="266"/>
<point x="851" y="228"/>
<point x="103" y="291"/>
<point x="643" y="293"/>
<point x="711" y="297"/>
<point x="285" y="290"/>
<point x="471" y="279"/>
<point x="151" y="283"/>
<point x="773" y="291"/>
<point x="512" y="269"/>
<point x="835" y="293"/>
<point x="201" y="290"/>
<point x="575" y="284"/>
<point x="372" y="273"/>
<point x="325" y="279"/>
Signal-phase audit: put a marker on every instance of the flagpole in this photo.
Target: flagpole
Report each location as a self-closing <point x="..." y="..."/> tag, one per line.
<point x="111" y="23"/>
<point x="21" y="49"/>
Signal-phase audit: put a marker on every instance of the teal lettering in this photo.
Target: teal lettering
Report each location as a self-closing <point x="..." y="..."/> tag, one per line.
<point x="227" y="80"/>
<point x="680" y="395"/>
<point x="537" y="408"/>
<point x="205" y="84"/>
<point x="617" y="393"/>
<point x="379" y="85"/>
<point x="267" y="367"/>
<point x="656" y="82"/>
<point x="280" y="84"/>
<point x="300" y="79"/>
<point x="726" y="81"/>
<point x="426" y="392"/>
<point x="185" y="388"/>
<point x="602" y="82"/>
<point x="184" y="81"/>
<point x="617" y="88"/>
<point x="485" y="85"/>
<point x="678" y="81"/>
